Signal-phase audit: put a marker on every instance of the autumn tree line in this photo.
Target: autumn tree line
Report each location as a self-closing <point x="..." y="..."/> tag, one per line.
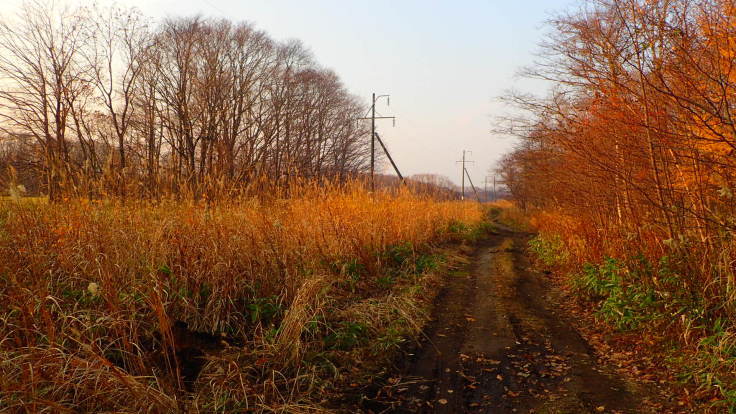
<point x="634" y="149"/>
<point x="102" y="101"/>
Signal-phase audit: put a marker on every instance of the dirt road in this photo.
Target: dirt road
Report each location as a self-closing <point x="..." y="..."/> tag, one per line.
<point x="498" y="343"/>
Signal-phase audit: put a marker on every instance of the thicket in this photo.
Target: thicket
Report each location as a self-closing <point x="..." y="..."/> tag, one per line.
<point x="629" y="167"/>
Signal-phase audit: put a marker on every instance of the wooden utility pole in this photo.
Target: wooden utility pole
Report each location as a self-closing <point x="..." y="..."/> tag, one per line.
<point x="495" y="196"/>
<point x="462" y="172"/>
<point x="373" y="141"/>
<point x="373" y="118"/>
<point x="495" y="191"/>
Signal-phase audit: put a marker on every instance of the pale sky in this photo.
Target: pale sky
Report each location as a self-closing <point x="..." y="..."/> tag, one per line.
<point x="444" y="63"/>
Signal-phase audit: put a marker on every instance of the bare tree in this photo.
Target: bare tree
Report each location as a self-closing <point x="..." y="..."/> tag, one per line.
<point x="192" y="102"/>
<point x="44" y="80"/>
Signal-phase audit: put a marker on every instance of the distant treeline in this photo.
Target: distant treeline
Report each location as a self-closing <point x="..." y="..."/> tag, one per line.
<point x="105" y="102"/>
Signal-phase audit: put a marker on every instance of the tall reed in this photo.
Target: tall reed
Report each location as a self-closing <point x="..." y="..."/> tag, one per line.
<point x="90" y="291"/>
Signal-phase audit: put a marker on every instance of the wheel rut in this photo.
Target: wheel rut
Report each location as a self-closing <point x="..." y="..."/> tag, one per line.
<point x="500" y="343"/>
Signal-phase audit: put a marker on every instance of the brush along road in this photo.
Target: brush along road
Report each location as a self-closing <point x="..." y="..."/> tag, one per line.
<point x="499" y="343"/>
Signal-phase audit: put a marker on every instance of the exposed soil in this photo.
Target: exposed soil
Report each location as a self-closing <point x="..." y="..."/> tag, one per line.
<point x="500" y="343"/>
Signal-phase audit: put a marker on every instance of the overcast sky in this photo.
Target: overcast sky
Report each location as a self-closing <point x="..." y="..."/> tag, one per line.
<point x="444" y="63"/>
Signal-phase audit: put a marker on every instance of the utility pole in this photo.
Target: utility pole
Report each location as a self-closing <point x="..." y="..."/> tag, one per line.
<point x="373" y="141"/>
<point x="462" y="172"/>
<point x="495" y="189"/>
<point x="485" y="189"/>
<point x="495" y="196"/>
<point x="373" y="118"/>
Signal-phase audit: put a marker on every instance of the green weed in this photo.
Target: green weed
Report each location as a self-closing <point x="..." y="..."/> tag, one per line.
<point x="469" y="233"/>
<point x="626" y="306"/>
<point x="346" y="336"/>
<point x="264" y="310"/>
<point x="549" y="250"/>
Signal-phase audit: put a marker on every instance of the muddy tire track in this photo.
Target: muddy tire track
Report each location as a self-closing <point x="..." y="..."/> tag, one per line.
<point x="500" y="343"/>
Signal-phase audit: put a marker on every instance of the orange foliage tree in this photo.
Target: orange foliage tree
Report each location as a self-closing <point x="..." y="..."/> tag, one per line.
<point x="634" y="147"/>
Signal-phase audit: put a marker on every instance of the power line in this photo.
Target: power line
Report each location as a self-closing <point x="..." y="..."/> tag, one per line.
<point x="215" y="7"/>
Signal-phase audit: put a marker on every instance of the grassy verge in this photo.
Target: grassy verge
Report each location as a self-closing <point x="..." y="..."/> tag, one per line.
<point x="650" y="305"/>
<point x="644" y="312"/>
<point x="244" y="306"/>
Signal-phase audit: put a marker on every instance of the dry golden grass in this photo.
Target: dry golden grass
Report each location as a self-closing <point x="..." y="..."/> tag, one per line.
<point x="90" y="293"/>
<point x="508" y="213"/>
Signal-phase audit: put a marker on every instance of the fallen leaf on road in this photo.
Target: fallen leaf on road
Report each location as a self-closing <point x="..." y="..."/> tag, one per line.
<point x="442" y="401"/>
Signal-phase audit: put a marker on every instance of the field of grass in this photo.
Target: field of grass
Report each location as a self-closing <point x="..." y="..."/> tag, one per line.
<point x="240" y="306"/>
<point x="24" y="199"/>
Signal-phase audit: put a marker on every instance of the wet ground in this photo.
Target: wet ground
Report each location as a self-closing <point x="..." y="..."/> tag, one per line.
<point x="500" y="343"/>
